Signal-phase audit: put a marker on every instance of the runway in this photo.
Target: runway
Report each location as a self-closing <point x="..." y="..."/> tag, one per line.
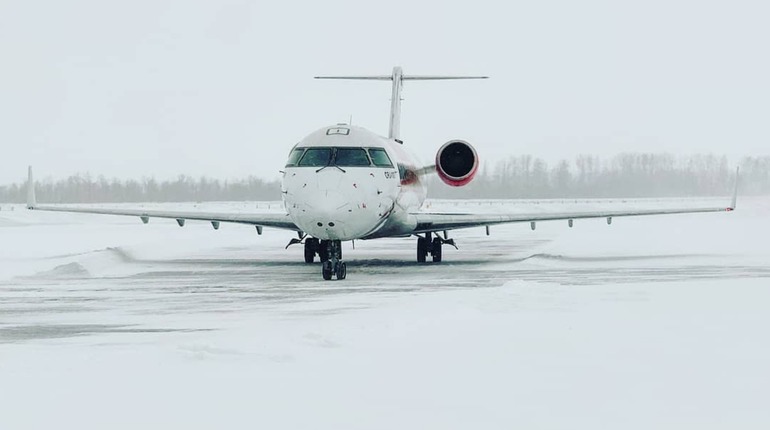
<point x="654" y="321"/>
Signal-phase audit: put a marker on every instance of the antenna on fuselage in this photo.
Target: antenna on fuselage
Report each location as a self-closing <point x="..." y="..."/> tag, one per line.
<point x="398" y="78"/>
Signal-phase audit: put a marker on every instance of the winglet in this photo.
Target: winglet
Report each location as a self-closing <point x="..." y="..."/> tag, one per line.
<point x="31" y="200"/>
<point x="735" y="191"/>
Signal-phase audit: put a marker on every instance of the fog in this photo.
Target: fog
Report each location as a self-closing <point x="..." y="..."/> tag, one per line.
<point x="223" y="89"/>
<point x="524" y="176"/>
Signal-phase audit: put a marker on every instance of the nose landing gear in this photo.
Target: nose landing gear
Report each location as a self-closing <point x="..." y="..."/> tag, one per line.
<point x="328" y="251"/>
<point x="332" y="263"/>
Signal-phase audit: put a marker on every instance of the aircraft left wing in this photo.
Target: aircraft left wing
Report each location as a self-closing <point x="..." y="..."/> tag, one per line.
<point x="274" y="220"/>
<point x="433" y="222"/>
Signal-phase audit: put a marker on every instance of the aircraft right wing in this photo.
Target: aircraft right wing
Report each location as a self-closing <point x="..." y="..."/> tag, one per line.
<point x="274" y="220"/>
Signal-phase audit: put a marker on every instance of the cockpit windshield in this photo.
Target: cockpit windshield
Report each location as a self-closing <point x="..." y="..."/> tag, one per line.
<point x="380" y="157"/>
<point x="316" y="157"/>
<point x="352" y="157"/>
<point x="342" y="156"/>
<point x="294" y="157"/>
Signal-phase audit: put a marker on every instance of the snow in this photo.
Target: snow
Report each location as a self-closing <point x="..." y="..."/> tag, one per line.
<point x="651" y="322"/>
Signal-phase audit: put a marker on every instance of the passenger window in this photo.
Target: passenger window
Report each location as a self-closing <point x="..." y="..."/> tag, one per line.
<point x="295" y="156"/>
<point x="380" y="157"/>
<point x="351" y="157"/>
<point x="316" y="157"/>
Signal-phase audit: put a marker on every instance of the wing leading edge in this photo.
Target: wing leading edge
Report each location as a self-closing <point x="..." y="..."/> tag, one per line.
<point x="432" y="222"/>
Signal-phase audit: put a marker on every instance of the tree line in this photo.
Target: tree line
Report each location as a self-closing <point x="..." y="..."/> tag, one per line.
<point x="524" y="176"/>
<point x="82" y="188"/>
<point x="632" y="175"/>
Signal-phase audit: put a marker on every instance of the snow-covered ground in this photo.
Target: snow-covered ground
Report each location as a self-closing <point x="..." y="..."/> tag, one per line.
<point x="656" y="322"/>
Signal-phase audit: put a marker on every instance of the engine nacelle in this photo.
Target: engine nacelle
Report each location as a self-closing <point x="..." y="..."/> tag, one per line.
<point x="457" y="163"/>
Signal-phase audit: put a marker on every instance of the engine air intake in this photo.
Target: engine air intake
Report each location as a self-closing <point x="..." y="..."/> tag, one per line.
<point x="457" y="163"/>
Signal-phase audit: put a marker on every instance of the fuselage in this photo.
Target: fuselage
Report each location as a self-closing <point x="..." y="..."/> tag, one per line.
<point x="344" y="183"/>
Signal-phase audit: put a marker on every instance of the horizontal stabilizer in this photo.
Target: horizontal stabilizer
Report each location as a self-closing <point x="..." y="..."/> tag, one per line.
<point x="404" y="77"/>
<point x="440" y="78"/>
<point x="358" y="78"/>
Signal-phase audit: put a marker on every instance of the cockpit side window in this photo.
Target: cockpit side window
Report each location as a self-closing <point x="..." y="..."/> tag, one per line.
<point x="351" y="157"/>
<point x="380" y="157"/>
<point x="294" y="157"/>
<point x="316" y="157"/>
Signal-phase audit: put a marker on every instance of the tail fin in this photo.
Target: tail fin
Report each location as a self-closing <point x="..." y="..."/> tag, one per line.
<point x="398" y="77"/>
<point x="31" y="200"/>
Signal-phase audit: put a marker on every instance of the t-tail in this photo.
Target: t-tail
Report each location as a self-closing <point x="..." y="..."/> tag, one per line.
<point x="398" y="78"/>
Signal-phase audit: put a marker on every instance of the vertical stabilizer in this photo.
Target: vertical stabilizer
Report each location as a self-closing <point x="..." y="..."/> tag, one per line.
<point x="397" y="79"/>
<point x="31" y="200"/>
<point x="394" y="129"/>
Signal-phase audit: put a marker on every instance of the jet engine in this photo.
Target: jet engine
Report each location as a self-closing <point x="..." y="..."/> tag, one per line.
<point x="457" y="163"/>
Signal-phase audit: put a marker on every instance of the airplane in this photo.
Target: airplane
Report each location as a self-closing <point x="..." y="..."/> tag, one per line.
<point x="346" y="183"/>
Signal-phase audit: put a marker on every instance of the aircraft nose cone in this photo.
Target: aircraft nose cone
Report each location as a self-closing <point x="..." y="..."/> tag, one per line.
<point x="333" y="205"/>
<point x="328" y="207"/>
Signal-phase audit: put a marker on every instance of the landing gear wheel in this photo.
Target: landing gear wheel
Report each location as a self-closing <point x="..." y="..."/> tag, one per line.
<point x="311" y="246"/>
<point x="436" y="250"/>
<point x="342" y="270"/>
<point x="326" y="270"/>
<point x="422" y="250"/>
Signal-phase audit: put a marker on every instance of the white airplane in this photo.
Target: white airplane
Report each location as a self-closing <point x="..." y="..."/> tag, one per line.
<point x="343" y="183"/>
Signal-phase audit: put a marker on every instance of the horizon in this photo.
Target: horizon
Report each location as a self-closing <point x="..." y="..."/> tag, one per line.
<point x="484" y="168"/>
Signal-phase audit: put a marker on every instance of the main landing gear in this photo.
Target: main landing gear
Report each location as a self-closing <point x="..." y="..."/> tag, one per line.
<point x="312" y="246"/>
<point x="433" y="246"/>
<point x="317" y="247"/>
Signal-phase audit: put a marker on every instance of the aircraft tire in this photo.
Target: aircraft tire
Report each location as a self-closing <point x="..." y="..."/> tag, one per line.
<point x="326" y="270"/>
<point x="342" y="270"/>
<point x="422" y="250"/>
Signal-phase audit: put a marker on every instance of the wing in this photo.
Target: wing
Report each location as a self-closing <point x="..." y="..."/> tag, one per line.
<point x="275" y="220"/>
<point x="432" y="222"/>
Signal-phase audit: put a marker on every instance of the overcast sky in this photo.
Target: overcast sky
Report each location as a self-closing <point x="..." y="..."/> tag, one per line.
<point x="224" y="88"/>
